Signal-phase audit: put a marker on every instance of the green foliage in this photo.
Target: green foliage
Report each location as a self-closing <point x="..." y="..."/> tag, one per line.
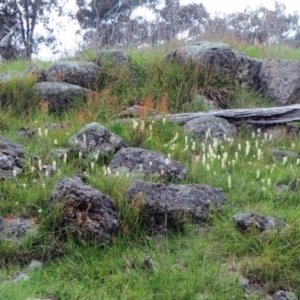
<point x="18" y="96"/>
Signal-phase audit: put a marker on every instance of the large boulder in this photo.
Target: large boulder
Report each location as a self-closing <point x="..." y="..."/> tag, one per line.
<point x="171" y="205"/>
<point x="60" y="96"/>
<point x="87" y="212"/>
<point x="95" y="139"/>
<point x="207" y="128"/>
<point x="279" y="81"/>
<point x="219" y="58"/>
<point x="138" y="161"/>
<point x="11" y="158"/>
<point x="84" y="74"/>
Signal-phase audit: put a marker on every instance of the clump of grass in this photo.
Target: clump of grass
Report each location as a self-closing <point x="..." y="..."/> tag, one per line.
<point x="18" y="96"/>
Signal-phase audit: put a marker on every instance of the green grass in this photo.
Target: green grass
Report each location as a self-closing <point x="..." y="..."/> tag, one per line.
<point x="201" y="262"/>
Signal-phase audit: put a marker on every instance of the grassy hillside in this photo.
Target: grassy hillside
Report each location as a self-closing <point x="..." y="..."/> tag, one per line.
<point x="204" y="261"/>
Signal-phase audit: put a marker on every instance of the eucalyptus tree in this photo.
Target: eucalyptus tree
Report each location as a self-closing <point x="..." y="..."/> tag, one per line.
<point x="23" y="16"/>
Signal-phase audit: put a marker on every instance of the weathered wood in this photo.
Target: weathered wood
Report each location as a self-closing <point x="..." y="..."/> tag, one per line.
<point x="260" y="116"/>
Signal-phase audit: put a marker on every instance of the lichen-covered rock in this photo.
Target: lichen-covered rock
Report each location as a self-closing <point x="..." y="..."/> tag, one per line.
<point x="86" y="211"/>
<point x="219" y="58"/>
<point x="15" y="229"/>
<point x="115" y="58"/>
<point x="279" y="81"/>
<point x="95" y="139"/>
<point x="11" y="158"/>
<point x="84" y="74"/>
<point x="248" y="221"/>
<point x="61" y="96"/>
<point x="207" y="128"/>
<point x="172" y="204"/>
<point x="138" y="161"/>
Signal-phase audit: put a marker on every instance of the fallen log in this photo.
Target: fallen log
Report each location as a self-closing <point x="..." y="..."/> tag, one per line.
<point x="259" y="116"/>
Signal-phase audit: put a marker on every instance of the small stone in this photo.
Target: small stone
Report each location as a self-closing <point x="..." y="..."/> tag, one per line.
<point x="20" y="276"/>
<point x="247" y="221"/>
<point x="35" y="265"/>
<point x="284" y="295"/>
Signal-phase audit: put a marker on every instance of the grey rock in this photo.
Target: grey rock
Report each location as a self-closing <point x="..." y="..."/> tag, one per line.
<point x="57" y="126"/>
<point x="219" y="58"/>
<point x="116" y="58"/>
<point x="171" y="205"/>
<point x="284" y="295"/>
<point x="61" y="96"/>
<point x="11" y="158"/>
<point x="20" y="276"/>
<point x="49" y="170"/>
<point x="248" y="221"/>
<point x="279" y="81"/>
<point x="206" y="128"/>
<point x="138" y="161"/>
<point x="26" y="132"/>
<point x="60" y="154"/>
<point x="84" y="74"/>
<point x="17" y="228"/>
<point x="148" y="263"/>
<point x="95" y="139"/>
<point x="87" y="212"/>
<point x="35" y="265"/>
<point x="245" y="283"/>
<point x="290" y="187"/>
<point x="280" y="154"/>
<point x="37" y="71"/>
